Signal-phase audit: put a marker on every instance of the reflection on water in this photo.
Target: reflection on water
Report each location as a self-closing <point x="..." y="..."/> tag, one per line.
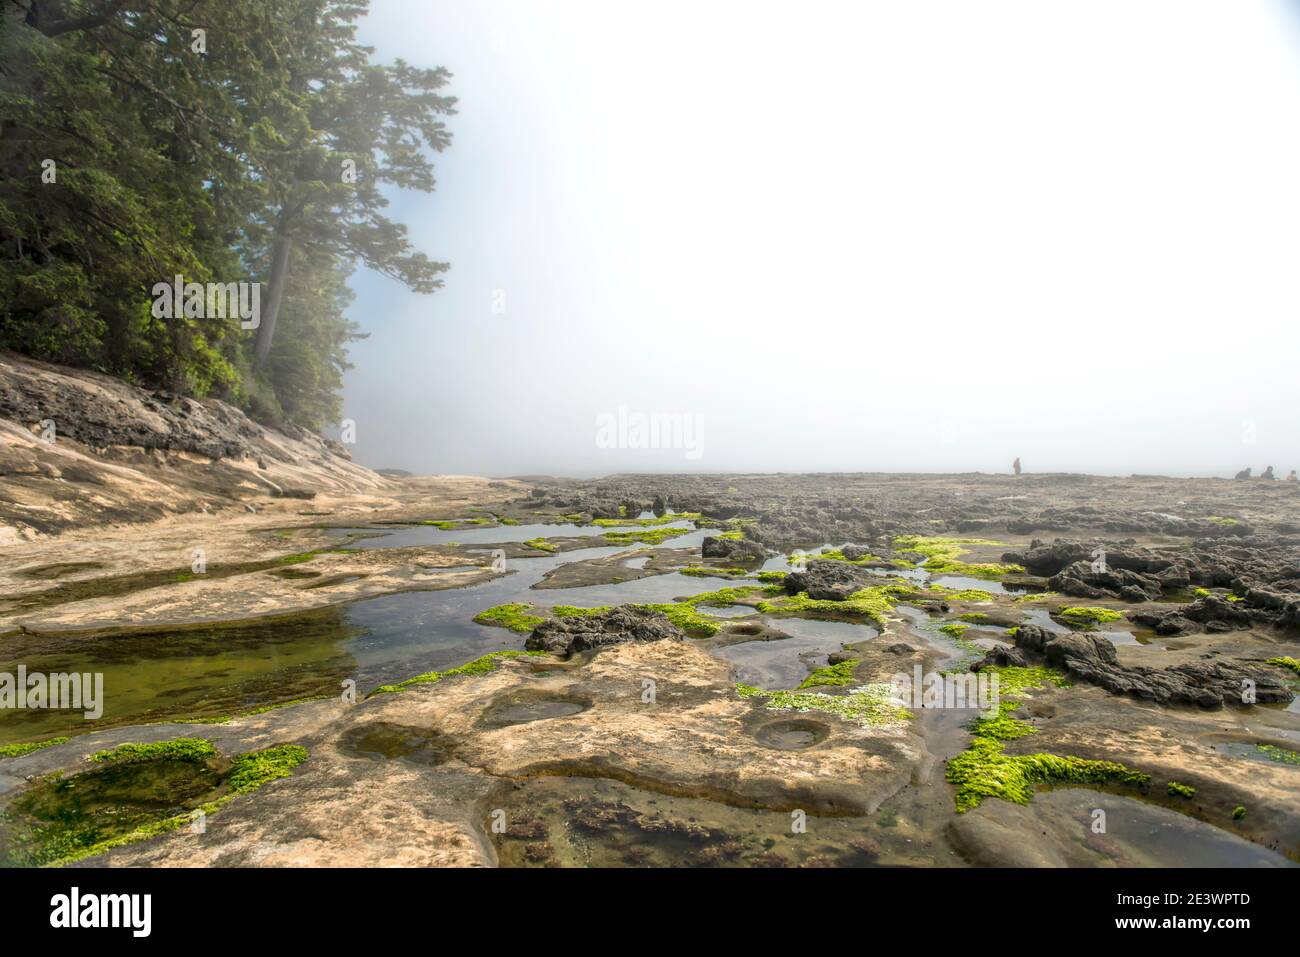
<point x="1042" y="618"/>
<point x="783" y="663"/>
<point x="217" y="671"/>
<point x="190" y="672"/>
<point x="962" y="582"/>
<point x="1139" y="834"/>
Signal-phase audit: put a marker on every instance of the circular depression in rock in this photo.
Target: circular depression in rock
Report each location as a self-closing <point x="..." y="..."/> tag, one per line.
<point x="525" y="710"/>
<point x="386" y="740"/>
<point x="792" y="735"/>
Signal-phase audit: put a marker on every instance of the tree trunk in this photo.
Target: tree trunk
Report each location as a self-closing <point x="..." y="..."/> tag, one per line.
<point x="279" y="277"/>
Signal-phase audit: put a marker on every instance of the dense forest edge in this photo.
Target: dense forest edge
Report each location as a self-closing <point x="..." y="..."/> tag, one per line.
<point x="205" y="146"/>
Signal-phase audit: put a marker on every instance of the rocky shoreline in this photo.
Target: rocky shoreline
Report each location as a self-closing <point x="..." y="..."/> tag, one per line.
<point x="1145" y="630"/>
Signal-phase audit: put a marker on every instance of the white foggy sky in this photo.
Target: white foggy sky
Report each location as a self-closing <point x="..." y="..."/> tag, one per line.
<point x="887" y="236"/>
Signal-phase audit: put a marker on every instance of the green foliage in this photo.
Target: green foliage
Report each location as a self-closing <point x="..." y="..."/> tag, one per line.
<point x="1181" y="790"/>
<point x="169" y="161"/>
<point x="541" y="544"/>
<point x="1238" y="812"/>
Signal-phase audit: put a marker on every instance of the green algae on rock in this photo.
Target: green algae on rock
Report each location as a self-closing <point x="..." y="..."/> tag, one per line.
<point x="644" y="536"/>
<point x="870" y="705"/>
<point x="942" y="556"/>
<point x="704" y="571"/>
<point x="1284" y="662"/>
<point x="648" y="522"/>
<point x="1177" y="789"/>
<point x="251" y="770"/>
<point x="1090" y="617"/>
<point x="18" y="750"/>
<point x="573" y="611"/>
<point x="136" y="791"/>
<point x="541" y="545"/>
<point x="984" y="770"/>
<point x="962" y="594"/>
<point x="177" y="749"/>
<point x="837" y="555"/>
<point x="1034" y="596"/>
<point x="874" y="602"/>
<point x="1281" y="755"/>
<point x="479" y="666"/>
<point x="837" y="675"/>
<point x="513" y="615"/>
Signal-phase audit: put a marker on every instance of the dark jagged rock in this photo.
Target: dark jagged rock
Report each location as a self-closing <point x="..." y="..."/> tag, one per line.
<point x="1215" y="613"/>
<point x="1209" y="683"/>
<point x="1053" y="559"/>
<point x="1003" y="656"/>
<point x="826" y="580"/>
<point x="1047" y="560"/>
<point x="1174" y="624"/>
<point x="1081" y="580"/>
<point x="738" y="550"/>
<point x="566" y="636"/>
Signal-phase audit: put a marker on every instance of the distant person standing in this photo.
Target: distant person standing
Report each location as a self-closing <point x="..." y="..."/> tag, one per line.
<point x="1016" y="465"/>
<point x="1291" y="477"/>
<point x="1268" y="474"/>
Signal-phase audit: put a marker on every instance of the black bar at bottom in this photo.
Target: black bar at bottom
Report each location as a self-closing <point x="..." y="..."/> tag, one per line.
<point x="331" y="907"/>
